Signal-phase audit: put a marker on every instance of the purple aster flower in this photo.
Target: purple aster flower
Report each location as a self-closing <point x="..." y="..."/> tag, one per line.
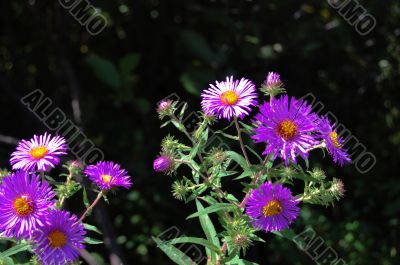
<point x="334" y="143"/>
<point x="287" y="127"/>
<point x="272" y="80"/>
<point x="24" y="203"/>
<point x="163" y="163"/>
<point x="229" y="98"/>
<point x="108" y="175"/>
<point x="40" y="153"/>
<point x="58" y="242"/>
<point x="272" y="207"/>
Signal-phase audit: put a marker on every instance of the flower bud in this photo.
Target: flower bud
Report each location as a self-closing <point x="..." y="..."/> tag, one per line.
<point x="318" y="174"/>
<point x="273" y="80"/>
<point x="272" y="85"/>
<point x="163" y="163"/>
<point x="242" y="241"/>
<point x="75" y="165"/>
<point x="4" y="173"/>
<point x="216" y="156"/>
<point x="337" y="188"/>
<point x="165" y="108"/>
<point x="179" y="190"/>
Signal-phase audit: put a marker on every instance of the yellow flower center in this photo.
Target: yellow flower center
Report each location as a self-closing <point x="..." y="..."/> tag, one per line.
<point x="287" y="129"/>
<point x="229" y="98"/>
<point x="335" y="140"/>
<point x="272" y="208"/>
<point x="106" y="178"/>
<point x="57" y="239"/>
<point x="38" y="152"/>
<point x="23" y="206"/>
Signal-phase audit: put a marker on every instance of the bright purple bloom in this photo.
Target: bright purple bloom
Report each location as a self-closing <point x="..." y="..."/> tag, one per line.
<point x="272" y="207"/>
<point x="287" y="127"/>
<point x="24" y="203"/>
<point x="272" y="80"/>
<point x="229" y="98"/>
<point x="334" y="143"/>
<point x="162" y="163"/>
<point x="58" y="242"/>
<point x="39" y="153"/>
<point x="108" y="175"/>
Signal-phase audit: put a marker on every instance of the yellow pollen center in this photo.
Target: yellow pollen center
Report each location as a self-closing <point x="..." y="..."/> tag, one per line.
<point x="23" y="206"/>
<point x="57" y="239"/>
<point x="272" y="208"/>
<point x="287" y="129"/>
<point x="335" y="140"/>
<point x="229" y="98"/>
<point x="38" y="152"/>
<point x="106" y="178"/>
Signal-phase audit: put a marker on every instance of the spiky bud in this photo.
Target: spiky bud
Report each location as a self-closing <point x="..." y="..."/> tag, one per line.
<point x="272" y="85"/>
<point x="216" y="156"/>
<point x="179" y="190"/>
<point x="166" y="108"/>
<point x="318" y="174"/>
<point x="337" y="188"/>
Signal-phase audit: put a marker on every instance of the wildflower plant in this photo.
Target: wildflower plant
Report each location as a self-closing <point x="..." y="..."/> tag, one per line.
<point x="33" y="201"/>
<point x="276" y="182"/>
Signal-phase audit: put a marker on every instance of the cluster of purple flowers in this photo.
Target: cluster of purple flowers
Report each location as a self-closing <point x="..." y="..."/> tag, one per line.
<point x="27" y="201"/>
<point x="287" y="125"/>
<point x="290" y="130"/>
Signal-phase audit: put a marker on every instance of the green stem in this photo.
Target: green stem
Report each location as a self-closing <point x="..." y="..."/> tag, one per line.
<point x="241" y="141"/>
<point x="99" y="195"/>
<point x="62" y="198"/>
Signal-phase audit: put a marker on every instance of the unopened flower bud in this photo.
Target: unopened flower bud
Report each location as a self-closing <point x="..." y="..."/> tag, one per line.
<point x="75" y="165"/>
<point x="337" y="188"/>
<point x="163" y="163"/>
<point x="179" y="190"/>
<point x="165" y="108"/>
<point x="273" y="80"/>
<point x="272" y="84"/>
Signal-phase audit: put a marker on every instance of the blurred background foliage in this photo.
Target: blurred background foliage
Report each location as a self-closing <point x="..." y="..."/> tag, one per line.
<point x="110" y="83"/>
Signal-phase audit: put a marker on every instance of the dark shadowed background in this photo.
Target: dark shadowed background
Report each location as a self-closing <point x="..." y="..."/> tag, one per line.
<point x="109" y="84"/>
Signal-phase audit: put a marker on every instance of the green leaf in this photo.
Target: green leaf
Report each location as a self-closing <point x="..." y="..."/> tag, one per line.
<point x="128" y="63"/>
<point x="173" y="253"/>
<point x="195" y="240"/>
<point x="165" y="123"/>
<point x="92" y="228"/>
<point x="195" y="78"/>
<point x="7" y="261"/>
<point x="238" y="261"/>
<point x="104" y="70"/>
<point x="197" y="45"/>
<point x="254" y="153"/>
<point x="238" y="159"/>
<point x="92" y="241"/>
<point x="287" y="233"/>
<point x="211" y="209"/>
<point x="207" y="225"/>
<point x="86" y="200"/>
<point x="224" y="173"/>
<point x="14" y="250"/>
<point x="247" y="128"/>
<point x="229" y="136"/>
